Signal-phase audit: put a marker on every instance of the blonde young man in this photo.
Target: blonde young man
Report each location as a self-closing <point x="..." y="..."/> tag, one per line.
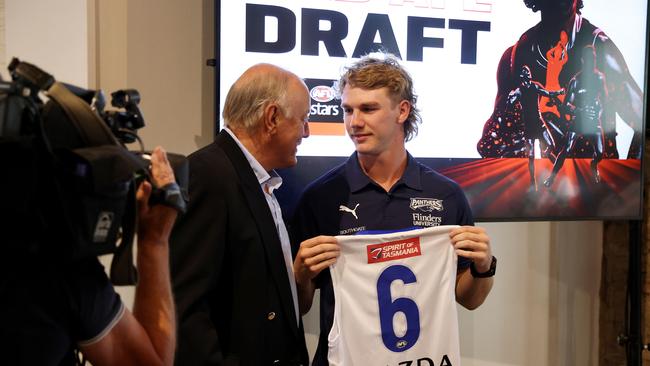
<point x="378" y="188"/>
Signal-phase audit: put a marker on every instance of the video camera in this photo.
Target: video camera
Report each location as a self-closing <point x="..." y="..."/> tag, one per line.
<point x="68" y="181"/>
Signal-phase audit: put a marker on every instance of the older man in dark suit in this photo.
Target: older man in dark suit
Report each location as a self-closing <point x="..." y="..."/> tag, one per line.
<point x="230" y="254"/>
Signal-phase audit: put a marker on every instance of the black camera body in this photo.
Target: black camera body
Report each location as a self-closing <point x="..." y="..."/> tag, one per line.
<point x="68" y="180"/>
<point x="122" y="123"/>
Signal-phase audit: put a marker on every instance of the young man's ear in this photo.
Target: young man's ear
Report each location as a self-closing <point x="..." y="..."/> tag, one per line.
<point x="404" y="110"/>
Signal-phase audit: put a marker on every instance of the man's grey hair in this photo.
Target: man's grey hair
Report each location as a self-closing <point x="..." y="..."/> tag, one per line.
<point x="251" y="93"/>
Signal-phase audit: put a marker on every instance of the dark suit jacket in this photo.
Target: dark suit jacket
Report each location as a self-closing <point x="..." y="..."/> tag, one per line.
<point x="232" y="292"/>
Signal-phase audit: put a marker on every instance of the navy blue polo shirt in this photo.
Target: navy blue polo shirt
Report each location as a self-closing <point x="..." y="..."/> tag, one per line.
<point x="345" y="201"/>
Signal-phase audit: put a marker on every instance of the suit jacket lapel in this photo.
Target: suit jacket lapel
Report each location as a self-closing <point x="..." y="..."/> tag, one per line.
<point x="264" y="222"/>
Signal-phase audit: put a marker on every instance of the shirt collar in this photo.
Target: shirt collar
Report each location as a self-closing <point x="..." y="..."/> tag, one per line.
<point x="272" y="178"/>
<point x="358" y="179"/>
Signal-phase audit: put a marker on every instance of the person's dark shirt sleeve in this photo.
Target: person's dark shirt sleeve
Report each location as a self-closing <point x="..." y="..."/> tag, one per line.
<point x="305" y="224"/>
<point x="465" y="217"/>
<point x="50" y="306"/>
<point x="100" y="307"/>
<point x="302" y="224"/>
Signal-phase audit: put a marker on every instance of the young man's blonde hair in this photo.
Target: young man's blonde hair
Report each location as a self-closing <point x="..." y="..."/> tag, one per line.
<point x="382" y="70"/>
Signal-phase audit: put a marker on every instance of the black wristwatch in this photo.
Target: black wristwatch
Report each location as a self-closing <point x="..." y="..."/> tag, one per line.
<point x="489" y="273"/>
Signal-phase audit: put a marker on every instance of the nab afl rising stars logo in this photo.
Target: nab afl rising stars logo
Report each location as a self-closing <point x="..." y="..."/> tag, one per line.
<point x="426" y="204"/>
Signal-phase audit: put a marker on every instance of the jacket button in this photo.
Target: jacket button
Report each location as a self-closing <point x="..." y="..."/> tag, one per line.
<point x="271" y="316"/>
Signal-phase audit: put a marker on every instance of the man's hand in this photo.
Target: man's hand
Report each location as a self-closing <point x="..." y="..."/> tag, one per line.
<point x="155" y="222"/>
<point x="314" y="255"/>
<point x="148" y="335"/>
<point x="472" y="242"/>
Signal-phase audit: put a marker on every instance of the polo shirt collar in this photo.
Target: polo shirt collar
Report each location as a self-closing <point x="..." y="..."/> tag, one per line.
<point x="358" y="180"/>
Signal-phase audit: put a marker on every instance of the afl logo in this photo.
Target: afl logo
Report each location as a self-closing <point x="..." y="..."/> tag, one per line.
<point x="322" y="93"/>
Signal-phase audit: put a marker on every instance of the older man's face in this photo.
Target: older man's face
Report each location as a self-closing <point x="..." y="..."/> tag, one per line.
<point x="292" y="126"/>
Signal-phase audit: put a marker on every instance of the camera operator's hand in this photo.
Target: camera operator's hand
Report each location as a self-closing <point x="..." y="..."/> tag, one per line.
<point x="148" y="335"/>
<point x="155" y="222"/>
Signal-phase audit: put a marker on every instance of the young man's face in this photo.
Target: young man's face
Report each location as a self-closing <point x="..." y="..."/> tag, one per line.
<point x="374" y="122"/>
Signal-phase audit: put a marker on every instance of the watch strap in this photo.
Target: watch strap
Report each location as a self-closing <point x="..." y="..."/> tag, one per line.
<point x="489" y="273"/>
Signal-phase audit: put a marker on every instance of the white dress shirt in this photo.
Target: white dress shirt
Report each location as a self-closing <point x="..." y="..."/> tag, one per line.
<point x="270" y="181"/>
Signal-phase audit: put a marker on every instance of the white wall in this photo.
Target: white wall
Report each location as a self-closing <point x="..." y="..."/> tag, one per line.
<point x="167" y="49"/>
<point x="50" y="34"/>
<point x="543" y="309"/>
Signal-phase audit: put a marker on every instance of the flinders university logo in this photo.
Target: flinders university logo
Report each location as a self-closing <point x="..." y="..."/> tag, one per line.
<point x="426" y="204"/>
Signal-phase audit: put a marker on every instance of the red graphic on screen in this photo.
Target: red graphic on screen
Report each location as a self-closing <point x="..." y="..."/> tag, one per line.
<point x="556" y="57"/>
<point x="552" y="49"/>
<point x="498" y="188"/>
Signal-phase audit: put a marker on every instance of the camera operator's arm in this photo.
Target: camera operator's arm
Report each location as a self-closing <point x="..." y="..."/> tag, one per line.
<point x="148" y="336"/>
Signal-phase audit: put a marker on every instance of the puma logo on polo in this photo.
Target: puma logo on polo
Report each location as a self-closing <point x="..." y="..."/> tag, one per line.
<point x="352" y="211"/>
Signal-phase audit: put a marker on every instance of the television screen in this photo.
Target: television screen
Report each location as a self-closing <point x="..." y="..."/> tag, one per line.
<point x="538" y="114"/>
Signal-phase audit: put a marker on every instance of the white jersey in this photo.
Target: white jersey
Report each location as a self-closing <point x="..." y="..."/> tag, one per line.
<point x="395" y="300"/>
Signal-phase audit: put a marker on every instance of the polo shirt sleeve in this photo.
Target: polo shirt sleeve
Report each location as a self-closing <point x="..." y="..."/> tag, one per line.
<point x="304" y="225"/>
<point x="465" y="216"/>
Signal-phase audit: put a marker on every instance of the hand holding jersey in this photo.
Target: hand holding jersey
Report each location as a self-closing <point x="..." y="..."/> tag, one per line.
<point x="314" y="255"/>
<point x="318" y="253"/>
<point x="473" y="242"/>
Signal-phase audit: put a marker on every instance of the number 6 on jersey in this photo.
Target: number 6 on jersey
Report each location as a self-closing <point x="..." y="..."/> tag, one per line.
<point x="388" y="308"/>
